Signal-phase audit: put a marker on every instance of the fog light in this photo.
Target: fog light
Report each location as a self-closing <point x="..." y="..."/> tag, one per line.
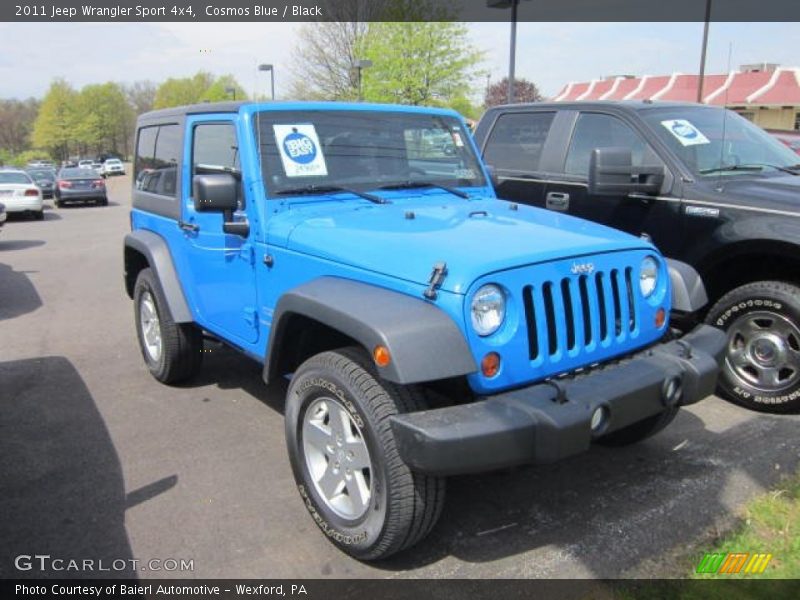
<point x="381" y="356"/>
<point x="599" y="418"/>
<point x="672" y="391"/>
<point x="490" y="365"/>
<point x="661" y="317"/>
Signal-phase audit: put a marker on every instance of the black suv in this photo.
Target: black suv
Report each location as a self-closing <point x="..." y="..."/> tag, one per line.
<point x="706" y="185"/>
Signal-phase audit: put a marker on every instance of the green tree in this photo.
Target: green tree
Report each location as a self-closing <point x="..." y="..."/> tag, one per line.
<point x="54" y="128"/>
<point x="185" y="90"/>
<point x="419" y="63"/>
<point x="218" y="91"/>
<point x="104" y="118"/>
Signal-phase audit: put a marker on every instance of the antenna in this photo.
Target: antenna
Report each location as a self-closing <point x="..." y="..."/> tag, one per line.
<point x="724" y="121"/>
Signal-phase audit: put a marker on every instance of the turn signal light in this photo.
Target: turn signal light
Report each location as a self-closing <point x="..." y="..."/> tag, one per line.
<point x="490" y="365"/>
<point x="661" y="317"/>
<point x="381" y="356"/>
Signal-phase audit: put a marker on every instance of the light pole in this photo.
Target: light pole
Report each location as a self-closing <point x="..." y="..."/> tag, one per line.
<point x="512" y="53"/>
<point x="703" y="54"/>
<point x="231" y="90"/>
<point x="359" y="65"/>
<point x="271" y="70"/>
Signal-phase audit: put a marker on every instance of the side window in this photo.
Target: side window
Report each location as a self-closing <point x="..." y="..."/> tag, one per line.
<point x="516" y="141"/>
<point x="595" y="130"/>
<point x="145" y="154"/>
<point x="157" y="153"/>
<point x="216" y="150"/>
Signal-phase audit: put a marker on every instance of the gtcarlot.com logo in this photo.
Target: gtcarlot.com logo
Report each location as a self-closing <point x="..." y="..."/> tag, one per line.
<point x="47" y="563"/>
<point x="731" y="563"/>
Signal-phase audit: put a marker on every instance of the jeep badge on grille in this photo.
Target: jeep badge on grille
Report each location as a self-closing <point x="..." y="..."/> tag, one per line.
<point x="582" y="268"/>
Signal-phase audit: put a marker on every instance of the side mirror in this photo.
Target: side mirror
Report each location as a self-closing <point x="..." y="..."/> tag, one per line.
<point x="216" y="192"/>
<point x="611" y="173"/>
<point x="492" y="172"/>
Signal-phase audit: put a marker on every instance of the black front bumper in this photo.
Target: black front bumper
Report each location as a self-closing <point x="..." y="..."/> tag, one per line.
<point x="549" y="421"/>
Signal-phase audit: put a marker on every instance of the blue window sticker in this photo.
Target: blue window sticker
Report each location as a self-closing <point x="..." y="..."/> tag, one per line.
<point x="686" y="133"/>
<point x="300" y="150"/>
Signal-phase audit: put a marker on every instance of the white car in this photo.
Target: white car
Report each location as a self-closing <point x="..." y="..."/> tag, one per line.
<point x="2" y="215"/>
<point x="20" y="194"/>
<point x="112" y="166"/>
<point x="86" y="164"/>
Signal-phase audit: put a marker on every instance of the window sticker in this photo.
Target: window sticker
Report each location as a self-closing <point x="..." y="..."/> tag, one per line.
<point x="457" y="139"/>
<point x="686" y="133"/>
<point x="300" y="150"/>
<point x="465" y="174"/>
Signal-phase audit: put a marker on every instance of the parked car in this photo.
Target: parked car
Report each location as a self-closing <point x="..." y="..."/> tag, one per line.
<point x="428" y="328"/>
<point x="706" y="185"/>
<point x="80" y="185"/>
<point x="85" y="164"/>
<point x="788" y="138"/>
<point x="2" y="215"/>
<point x="112" y="166"/>
<point x="45" y="178"/>
<point x="41" y="164"/>
<point x="19" y="193"/>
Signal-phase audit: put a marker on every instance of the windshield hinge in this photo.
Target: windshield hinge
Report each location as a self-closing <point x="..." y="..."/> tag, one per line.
<point x="437" y="277"/>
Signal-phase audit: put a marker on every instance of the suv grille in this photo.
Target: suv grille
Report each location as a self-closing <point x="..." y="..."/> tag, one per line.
<point x="575" y="315"/>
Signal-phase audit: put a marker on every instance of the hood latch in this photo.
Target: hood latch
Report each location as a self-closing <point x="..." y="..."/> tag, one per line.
<point x="437" y="277"/>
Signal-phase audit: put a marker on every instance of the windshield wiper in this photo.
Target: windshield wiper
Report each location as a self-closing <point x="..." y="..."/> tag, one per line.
<point x="417" y="184"/>
<point x="753" y="167"/>
<point x="327" y="189"/>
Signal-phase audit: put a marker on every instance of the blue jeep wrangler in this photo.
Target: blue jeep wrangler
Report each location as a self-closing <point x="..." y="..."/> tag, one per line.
<point x="428" y="328"/>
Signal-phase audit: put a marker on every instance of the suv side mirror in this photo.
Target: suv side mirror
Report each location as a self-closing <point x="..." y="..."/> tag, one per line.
<point x="611" y="173"/>
<point x="216" y="192"/>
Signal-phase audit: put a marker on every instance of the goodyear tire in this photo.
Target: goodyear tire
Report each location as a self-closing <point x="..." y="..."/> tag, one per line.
<point x="762" y="362"/>
<point x="172" y="351"/>
<point x="345" y="462"/>
<point x="639" y="431"/>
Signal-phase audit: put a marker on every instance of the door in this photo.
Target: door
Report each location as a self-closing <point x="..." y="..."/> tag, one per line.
<point x="659" y="217"/>
<point x="514" y="148"/>
<point x="221" y="265"/>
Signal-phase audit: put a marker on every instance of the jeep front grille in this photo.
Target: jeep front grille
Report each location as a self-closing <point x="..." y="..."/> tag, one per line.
<point x="577" y="314"/>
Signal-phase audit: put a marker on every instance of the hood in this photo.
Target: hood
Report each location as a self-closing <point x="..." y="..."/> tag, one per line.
<point x="776" y="193"/>
<point x="406" y="238"/>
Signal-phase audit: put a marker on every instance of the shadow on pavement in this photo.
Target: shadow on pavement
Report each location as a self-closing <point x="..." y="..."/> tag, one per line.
<point x="19" y="244"/>
<point x="62" y="492"/>
<point x="18" y="295"/>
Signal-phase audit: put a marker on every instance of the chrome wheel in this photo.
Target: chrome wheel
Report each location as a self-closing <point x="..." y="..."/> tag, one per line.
<point x="337" y="458"/>
<point x="151" y="327"/>
<point x="764" y="351"/>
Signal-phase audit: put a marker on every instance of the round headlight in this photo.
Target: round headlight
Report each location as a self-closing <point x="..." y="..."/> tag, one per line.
<point x="648" y="276"/>
<point x="488" y="309"/>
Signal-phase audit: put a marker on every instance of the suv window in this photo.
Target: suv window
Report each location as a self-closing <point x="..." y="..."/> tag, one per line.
<point x="517" y="139"/>
<point x="216" y="150"/>
<point x="595" y="130"/>
<point x="157" y="153"/>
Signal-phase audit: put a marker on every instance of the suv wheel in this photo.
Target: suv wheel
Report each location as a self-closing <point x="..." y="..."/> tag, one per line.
<point x="639" y="431"/>
<point x="762" y="361"/>
<point x="345" y="461"/>
<point x="172" y="351"/>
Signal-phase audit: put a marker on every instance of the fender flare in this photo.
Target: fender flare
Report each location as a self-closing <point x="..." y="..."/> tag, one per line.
<point x="688" y="292"/>
<point x="155" y="249"/>
<point x="424" y="343"/>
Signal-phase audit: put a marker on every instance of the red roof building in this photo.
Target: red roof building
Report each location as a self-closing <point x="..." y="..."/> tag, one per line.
<point x="767" y="94"/>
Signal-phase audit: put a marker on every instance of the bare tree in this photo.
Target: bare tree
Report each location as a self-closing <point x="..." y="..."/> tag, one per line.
<point x="16" y="123"/>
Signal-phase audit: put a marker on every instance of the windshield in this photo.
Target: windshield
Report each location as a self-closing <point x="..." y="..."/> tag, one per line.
<point x="14" y="177"/>
<point x="696" y="136"/>
<point x="42" y="174"/>
<point x="363" y="150"/>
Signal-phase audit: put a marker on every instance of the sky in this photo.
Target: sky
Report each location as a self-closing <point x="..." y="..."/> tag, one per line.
<point x="549" y="54"/>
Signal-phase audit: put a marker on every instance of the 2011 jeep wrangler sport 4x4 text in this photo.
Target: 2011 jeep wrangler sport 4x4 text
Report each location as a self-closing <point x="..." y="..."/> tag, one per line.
<point x="428" y="328"/>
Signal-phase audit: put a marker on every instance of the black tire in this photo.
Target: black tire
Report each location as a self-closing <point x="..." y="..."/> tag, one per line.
<point x="403" y="506"/>
<point x="101" y="202"/>
<point x="58" y="203"/>
<point x="639" y="431"/>
<point x="181" y="352"/>
<point x="762" y="320"/>
<point x="39" y="215"/>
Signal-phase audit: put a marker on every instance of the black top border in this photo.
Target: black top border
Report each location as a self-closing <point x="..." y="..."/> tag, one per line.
<point x="402" y="10"/>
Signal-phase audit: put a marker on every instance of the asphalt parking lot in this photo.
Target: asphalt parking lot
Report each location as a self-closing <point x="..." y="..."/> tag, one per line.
<point x="99" y="461"/>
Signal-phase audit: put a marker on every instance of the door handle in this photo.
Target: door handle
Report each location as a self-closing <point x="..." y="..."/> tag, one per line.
<point x="557" y="201"/>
